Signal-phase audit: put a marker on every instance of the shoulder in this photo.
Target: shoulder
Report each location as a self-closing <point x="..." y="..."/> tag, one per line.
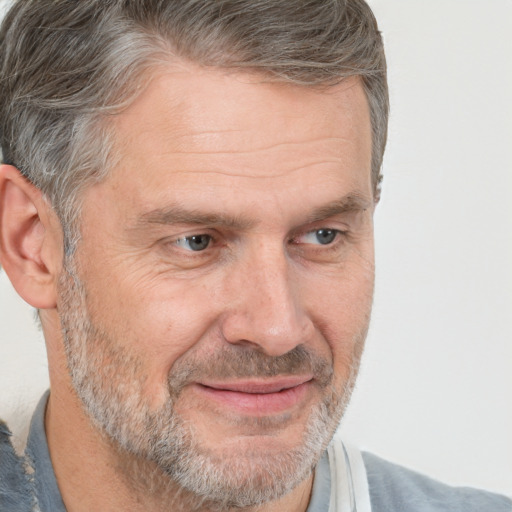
<point x="15" y="490"/>
<point x="394" y="488"/>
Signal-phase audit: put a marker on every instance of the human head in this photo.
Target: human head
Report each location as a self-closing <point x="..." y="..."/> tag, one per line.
<point x="66" y="67"/>
<point x="332" y="109"/>
<point x="169" y="336"/>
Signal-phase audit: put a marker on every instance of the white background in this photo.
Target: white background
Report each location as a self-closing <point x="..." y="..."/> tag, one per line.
<point x="435" y="392"/>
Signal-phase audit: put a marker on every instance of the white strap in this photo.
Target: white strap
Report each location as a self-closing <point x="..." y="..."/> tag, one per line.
<point x="349" y="484"/>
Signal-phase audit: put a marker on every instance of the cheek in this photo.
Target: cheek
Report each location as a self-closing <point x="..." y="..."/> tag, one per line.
<point x="156" y="321"/>
<point x="341" y="310"/>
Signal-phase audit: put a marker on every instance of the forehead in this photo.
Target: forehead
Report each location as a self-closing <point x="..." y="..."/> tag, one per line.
<point x="192" y="105"/>
<point x="205" y="128"/>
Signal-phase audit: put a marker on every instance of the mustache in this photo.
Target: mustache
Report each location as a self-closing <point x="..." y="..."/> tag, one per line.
<point x="234" y="361"/>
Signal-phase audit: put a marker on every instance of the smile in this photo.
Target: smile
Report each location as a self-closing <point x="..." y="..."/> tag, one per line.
<point x="258" y="397"/>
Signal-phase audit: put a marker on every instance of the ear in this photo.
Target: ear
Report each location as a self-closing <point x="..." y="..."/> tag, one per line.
<point x="30" y="239"/>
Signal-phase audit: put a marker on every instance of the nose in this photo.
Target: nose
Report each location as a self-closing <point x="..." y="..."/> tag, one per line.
<point x="266" y="310"/>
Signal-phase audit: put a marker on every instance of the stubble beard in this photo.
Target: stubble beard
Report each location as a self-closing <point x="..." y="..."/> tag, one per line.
<point x="108" y="381"/>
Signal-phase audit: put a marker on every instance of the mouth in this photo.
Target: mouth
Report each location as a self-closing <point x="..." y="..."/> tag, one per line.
<point x="258" y="397"/>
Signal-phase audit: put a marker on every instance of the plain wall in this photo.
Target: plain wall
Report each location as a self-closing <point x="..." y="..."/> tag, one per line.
<point x="435" y="390"/>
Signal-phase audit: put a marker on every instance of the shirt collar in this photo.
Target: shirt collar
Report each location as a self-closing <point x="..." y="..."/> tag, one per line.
<point x="321" y="492"/>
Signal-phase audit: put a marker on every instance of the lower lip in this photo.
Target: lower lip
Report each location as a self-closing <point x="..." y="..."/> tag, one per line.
<point x="258" y="404"/>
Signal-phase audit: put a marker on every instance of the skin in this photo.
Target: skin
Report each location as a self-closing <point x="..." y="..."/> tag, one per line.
<point x="259" y="167"/>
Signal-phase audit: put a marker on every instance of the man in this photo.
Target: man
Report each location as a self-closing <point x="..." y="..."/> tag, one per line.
<point x="187" y="199"/>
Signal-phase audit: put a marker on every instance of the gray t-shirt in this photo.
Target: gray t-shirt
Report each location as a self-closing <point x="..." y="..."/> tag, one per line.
<point x="392" y="488"/>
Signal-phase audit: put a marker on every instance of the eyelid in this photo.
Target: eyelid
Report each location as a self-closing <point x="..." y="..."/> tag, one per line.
<point x="332" y="226"/>
<point x="190" y="232"/>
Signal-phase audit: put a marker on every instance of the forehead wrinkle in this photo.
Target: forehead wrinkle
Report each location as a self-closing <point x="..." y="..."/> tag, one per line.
<point x="198" y="138"/>
<point x="259" y="175"/>
<point x="271" y="174"/>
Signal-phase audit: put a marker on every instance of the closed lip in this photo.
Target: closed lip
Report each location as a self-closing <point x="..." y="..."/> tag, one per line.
<point x="257" y="397"/>
<point x="258" y="386"/>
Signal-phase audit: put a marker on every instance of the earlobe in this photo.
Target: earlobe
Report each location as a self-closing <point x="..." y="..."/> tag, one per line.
<point x="29" y="249"/>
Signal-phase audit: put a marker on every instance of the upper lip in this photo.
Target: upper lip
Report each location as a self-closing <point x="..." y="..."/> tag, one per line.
<point x="258" y="385"/>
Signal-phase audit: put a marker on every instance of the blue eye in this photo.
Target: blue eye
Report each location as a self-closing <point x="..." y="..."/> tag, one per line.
<point x="194" y="243"/>
<point x="320" y="236"/>
<point x="325" y="236"/>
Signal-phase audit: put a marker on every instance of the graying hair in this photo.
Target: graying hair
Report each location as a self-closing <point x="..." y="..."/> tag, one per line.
<point x="67" y="66"/>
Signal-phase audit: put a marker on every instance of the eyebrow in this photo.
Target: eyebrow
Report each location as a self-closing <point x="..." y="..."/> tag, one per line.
<point x="180" y="215"/>
<point x="349" y="203"/>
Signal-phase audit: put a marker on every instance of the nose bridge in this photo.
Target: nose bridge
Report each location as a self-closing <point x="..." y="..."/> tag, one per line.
<point x="268" y="309"/>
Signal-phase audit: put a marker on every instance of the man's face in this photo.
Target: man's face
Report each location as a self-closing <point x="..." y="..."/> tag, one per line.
<point x="224" y="278"/>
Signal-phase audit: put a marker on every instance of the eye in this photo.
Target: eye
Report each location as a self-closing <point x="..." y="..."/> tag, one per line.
<point x="194" y="243"/>
<point x="320" y="236"/>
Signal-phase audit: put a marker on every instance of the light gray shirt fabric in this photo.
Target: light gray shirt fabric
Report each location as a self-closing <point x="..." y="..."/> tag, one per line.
<point x="321" y="493"/>
<point x="396" y="489"/>
<point x="392" y="488"/>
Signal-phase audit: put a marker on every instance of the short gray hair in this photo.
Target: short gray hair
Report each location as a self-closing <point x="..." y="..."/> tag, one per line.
<point x="67" y="66"/>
